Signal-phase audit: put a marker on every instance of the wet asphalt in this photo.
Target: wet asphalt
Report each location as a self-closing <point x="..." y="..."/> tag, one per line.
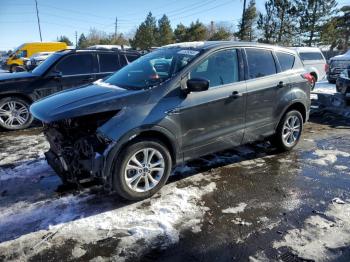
<point x="280" y="190"/>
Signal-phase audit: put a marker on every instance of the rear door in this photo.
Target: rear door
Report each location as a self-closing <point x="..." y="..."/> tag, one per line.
<point x="214" y="119"/>
<point x="265" y="86"/>
<point x="77" y="69"/>
<point x="108" y="64"/>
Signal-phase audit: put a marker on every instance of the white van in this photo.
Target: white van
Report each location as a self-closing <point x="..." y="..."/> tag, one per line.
<point x="314" y="61"/>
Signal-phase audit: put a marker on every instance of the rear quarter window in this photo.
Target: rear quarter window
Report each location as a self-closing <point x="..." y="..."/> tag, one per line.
<point x="309" y="56"/>
<point x="286" y="60"/>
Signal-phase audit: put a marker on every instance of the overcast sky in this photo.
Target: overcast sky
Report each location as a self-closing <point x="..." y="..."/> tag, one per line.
<point x="18" y="22"/>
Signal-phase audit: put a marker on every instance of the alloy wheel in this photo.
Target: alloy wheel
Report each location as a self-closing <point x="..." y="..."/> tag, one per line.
<point x="14" y="114"/>
<point x="144" y="170"/>
<point x="291" y="130"/>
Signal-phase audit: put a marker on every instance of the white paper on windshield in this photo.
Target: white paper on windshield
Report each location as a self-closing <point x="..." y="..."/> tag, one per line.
<point x="99" y="82"/>
<point x="188" y="52"/>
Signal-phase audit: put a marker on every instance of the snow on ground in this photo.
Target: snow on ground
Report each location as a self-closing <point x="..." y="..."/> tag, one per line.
<point x="324" y="87"/>
<point x="328" y="157"/>
<point x="171" y="210"/>
<point x="321" y="234"/>
<point x="27" y="161"/>
<point x="234" y="210"/>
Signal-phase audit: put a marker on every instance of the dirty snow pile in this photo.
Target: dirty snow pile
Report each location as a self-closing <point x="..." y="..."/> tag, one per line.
<point x="139" y="226"/>
<point x="17" y="160"/>
<point x="321" y="234"/>
<point x="323" y="87"/>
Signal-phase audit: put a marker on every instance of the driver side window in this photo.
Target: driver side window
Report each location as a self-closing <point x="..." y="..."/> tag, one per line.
<point x="220" y="68"/>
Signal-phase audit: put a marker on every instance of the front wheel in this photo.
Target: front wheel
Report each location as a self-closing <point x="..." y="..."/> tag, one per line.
<point x="14" y="113"/>
<point x="141" y="169"/>
<point x="289" y="131"/>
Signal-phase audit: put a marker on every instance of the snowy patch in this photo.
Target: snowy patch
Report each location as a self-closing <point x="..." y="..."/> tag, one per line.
<point x="143" y="224"/>
<point x="323" y="87"/>
<point x="328" y="157"/>
<point x="320" y="236"/>
<point x="241" y="222"/>
<point x="234" y="210"/>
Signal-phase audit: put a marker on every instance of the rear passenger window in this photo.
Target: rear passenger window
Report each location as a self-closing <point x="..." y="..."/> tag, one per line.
<point x="108" y="62"/>
<point x="286" y="60"/>
<point x="310" y="56"/>
<point x="76" y="64"/>
<point x="220" y="68"/>
<point x="260" y="63"/>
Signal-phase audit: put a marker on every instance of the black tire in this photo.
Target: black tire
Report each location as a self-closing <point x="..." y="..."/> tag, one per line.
<point x="13" y="68"/>
<point x="19" y="101"/>
<point x="278" y="141"/>
<point x="119" y="180"/>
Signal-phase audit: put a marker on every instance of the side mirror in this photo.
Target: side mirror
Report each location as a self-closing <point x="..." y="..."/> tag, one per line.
<point x="197" y="85"/>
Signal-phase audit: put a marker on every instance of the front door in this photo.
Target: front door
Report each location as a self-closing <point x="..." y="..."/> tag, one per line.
<point x="213" y="120"/>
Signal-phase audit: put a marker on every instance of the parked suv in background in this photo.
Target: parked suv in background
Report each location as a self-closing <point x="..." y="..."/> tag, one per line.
<point x="314" y="62"/>
<point x="177" y="103"/>
<point x="60" y="71"/>
<point x="337" y="64"/>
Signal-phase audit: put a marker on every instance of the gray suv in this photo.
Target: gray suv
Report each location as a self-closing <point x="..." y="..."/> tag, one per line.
<point x="177" y="103"/>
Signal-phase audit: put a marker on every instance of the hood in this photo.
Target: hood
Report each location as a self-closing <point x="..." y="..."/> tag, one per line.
<point x="9" y="77"/>
<point x="81" y="101"/>
<point x="345" y="56"/>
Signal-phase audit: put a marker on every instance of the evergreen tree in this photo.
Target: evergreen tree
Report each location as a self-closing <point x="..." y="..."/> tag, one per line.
<point x="146" y="34"/>
<point x="246" y="30"/>
<point x="196" y="32"/>
<point x="267" y="24"/>
<point x="313" y="15"/>
<point x="165" y="32"/>
<point x="180" y="33"/>
<point x="221" y="34"/>
<point x="278" y="23"/>
<point x="64" y="39"/>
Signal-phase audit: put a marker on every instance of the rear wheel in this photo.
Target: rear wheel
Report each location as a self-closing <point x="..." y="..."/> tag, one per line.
<point x="14" y="113"/>
<point x="141" y="169"/>
<point x="288" y="131"/>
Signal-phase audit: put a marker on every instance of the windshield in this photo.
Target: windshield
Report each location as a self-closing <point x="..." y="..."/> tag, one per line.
<point x="41" y="68"/>
<point x="153" y="68"/>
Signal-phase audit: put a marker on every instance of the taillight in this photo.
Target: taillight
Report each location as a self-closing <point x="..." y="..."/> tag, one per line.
<point x="308" y="77"/>
<point x="326" y="67"/>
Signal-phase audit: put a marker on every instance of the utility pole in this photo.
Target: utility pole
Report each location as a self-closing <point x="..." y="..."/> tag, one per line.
<point x="37" y="15"/>
<point x="76" y="39"/>
<point x="242" y="29"/>
<point x="116" y="28"/>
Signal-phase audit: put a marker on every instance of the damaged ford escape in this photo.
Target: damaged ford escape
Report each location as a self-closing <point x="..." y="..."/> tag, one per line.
<point x="177" y="103"/>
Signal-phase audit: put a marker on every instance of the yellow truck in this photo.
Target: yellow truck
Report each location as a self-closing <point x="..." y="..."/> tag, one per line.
<point x="28" y="49"/>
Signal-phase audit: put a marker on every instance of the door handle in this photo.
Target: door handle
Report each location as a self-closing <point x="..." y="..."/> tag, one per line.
<point x="236" y="94"/>
<point x="88" y="79"/>
<point x="280" y="84"/>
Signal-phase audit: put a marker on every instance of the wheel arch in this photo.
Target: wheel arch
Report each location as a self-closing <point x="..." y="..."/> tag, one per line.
<point x="18" y="95"/>
<point x="296" y="105"/>
<point x="156" y="132"/>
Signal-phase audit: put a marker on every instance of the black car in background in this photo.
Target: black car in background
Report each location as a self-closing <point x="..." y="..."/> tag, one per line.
<point x="174" y="104"/>
<point x="343" y="83"/>
<point x="60" y="71"/>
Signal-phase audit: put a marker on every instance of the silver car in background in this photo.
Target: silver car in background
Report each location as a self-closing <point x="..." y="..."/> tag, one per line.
<point x="314" y="62"/>
<point x="338" y="64"/>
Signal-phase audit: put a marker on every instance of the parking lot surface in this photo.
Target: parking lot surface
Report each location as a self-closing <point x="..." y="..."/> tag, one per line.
<point x="248" y="203"/>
